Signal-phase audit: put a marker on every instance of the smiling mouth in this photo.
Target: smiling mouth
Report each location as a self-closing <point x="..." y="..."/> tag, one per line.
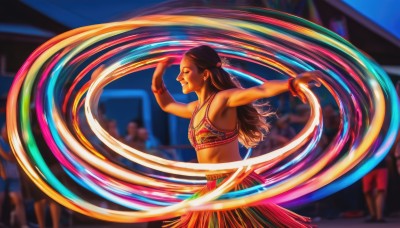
<point x="184" y="84"/>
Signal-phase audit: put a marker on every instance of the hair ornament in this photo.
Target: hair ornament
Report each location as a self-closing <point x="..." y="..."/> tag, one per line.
<point x="224" y="61"/>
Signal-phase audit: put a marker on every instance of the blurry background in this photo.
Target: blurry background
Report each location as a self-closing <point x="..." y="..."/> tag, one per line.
<point x="372" y="26"/>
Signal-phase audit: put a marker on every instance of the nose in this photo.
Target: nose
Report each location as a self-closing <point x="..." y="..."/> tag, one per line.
<point x="179" y="77"/>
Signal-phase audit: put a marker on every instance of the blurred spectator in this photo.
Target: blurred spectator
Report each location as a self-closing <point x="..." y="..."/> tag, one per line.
<point x="112" y="128"/>
<point x="263" y="147"/>
<point x="10" y="179"/>
<point x="331" y="121"/>
<point x="40" y="199"/>
<point x="378" y="179"/>
<point x="282" y="131"/>
<point x="393" y="198"/>
<point x="132" y="133"/>
<point x="142" y="139"/>
<point x="375" y="188"/>
<point x="102" y="115"/>
<point x="397" y="142"/>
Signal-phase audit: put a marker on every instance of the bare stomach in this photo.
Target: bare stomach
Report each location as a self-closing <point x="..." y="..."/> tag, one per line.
<point x="218" y="154"/>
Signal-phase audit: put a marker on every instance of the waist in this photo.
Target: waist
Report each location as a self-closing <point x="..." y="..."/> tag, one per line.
<point x="219" y="154"/>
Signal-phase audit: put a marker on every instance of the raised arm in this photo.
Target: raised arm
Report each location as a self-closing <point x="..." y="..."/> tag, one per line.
<point x="164" y="99"/>
<point x="238" y="97"/>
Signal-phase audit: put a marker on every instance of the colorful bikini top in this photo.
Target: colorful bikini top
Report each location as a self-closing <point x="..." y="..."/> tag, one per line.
<point x="205" y="134"/>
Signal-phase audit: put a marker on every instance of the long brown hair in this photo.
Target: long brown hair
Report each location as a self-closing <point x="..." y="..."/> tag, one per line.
<point x="251" y="117"/>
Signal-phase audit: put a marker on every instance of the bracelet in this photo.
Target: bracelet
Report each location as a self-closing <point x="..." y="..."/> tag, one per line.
<point x="160" y="90"/>
<point x="291" y="87"/>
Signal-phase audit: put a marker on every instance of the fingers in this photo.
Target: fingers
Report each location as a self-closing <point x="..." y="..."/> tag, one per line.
<point x="311" y="79"/>
<point x="164" y="61"/>
<point x="308" y="78"/>
<point x="169" y="60"/>
<point x="314" y="84"/>
<point x="302" y="97"/>
<point x="300" y="94"/>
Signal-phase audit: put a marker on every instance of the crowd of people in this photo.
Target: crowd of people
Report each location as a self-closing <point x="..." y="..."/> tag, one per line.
<point x="137" y="137"/>
<point x="22" y="192"/>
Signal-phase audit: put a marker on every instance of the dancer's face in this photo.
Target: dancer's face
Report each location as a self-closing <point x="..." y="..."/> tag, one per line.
<point x="190" y="78"/>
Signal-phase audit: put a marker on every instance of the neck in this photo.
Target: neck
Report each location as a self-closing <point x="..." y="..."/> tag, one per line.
<point x="203" y="94"/>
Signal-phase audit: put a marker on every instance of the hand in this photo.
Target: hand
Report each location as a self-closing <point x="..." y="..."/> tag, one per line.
<point x="157" y="84"/>
<point x="168" y="61"/>
<point x="163" y="65"/>
<point x="309" y="78"/>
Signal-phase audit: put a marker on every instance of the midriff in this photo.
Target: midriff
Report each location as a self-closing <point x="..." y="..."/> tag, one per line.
<point x="228" y="152"/>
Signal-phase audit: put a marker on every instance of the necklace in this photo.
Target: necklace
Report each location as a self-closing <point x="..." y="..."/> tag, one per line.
<point x="205" y="102"/>
<point x="197" y="109"/>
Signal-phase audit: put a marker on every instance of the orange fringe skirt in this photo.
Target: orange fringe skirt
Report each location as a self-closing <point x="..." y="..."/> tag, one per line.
<point x="265" y="215"/>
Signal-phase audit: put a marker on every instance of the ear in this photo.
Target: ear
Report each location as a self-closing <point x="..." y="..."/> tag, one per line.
<point x="206" y="74"/>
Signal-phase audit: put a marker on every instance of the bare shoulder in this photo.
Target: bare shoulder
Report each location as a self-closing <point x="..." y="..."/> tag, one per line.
<point x="220" y="113"/>
<point x="224" y="95"/>
<point x="221" y="98"/>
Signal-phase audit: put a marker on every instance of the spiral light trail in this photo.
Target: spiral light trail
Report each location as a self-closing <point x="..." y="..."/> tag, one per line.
<point x="56" y="81"/>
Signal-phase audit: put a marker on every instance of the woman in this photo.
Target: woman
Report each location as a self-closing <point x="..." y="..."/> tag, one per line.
<point x="222" y="117"/>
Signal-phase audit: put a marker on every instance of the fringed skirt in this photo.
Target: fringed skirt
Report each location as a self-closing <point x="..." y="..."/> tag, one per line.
<point x="265" y="215"/>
